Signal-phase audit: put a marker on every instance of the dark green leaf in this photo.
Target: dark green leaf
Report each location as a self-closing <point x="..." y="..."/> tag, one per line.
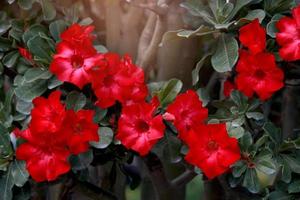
<point x="271" y="26"/>
<point x="10" y="59"/>
<point x="6" y="150"/>
<point x="255" y="14"/>
<point x="273" y="132"/>
<point x="34" y="74"/>
<point x="293" y="163"/>
<point x="41" y="48"/>
<point x="19" y="173"/>
<point x="279" y="195"/>
<point x="28" y="91"/>
<point x="4" y="26"/>
<point x="33" y="31"/>
<point x="203" y="95"/>
<point x="106" y="136"/>
<point x="239" y="168"/>
<point x="294" y="187"/>
<point x="226" y="54"/>
<point x="54" y="82"/>
<point x="169" y="91"/>
<point x="99" y="115"/>
<point x="195" y="72"/>
<point x="81" y="161"/>
<point x="255" y="115"/>
<point x="6" y="185"/>
<point x="266" y="166"/>
<point x="5" y="44"/>
<point x="251" y="181"/>
<point x="48" y="9"/>
<point x="56" y="28"/>
<point x="75" y="101"/>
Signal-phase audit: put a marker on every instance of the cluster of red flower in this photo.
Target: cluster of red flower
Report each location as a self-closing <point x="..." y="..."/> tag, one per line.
<point x="210" y="147"/>
<point x="53" y="134"/>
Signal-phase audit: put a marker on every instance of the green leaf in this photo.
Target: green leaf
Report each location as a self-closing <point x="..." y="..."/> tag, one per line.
<point x="101" y="49"/>
<point x="271" y="26"/>
<point x="293" y="163"/>
<point x="239" y="168"/>
<point x="56" y="28"/>
<point x="33" y="31"/>
<point x="251" y="181"/>
<point x="286" y="173"/>
<point x="203" y="95"/>
<point x="23" y="107"/>
<point x="6" y="150"/>
<point x="86" y="21"/>
<point x="26" y="4"/>
<point x="202" y="30"/>
<point x="195" y="72"/>
<point x="41" y="48"/>
<point x="294" y="187"/>
<point x="28" y="91"/>
<point x="106" y="136"/>
<point x="235" y="131"/>
<point x="81" y="161"/>
<point x="246" y="141"/>
<point x="238" y="5"/>
<point x="273" y="132"/>
<point x="278" y="6"/>
<point x="226" y="54"/>
<point x="4" y="26"/>
<point x="54" y="82"/>
<point x="6" y="185"/>
<point x="99" y="115"/>
<point x="255" y="14"/>
<point x="19" y="173"/>
<point x="48" y="9"/>
<point x="5" y="44"/>
<point x="266" y="166"/>
<point x="75" y="101"/>
<point x="255" y="115"/>
<point x="34" y="74"/>
<point x="10" y="59"/>
<point x="169" y="91"/>
<point x="279" y="195"/>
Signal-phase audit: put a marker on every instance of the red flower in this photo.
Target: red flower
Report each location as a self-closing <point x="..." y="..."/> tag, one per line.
<point x="253" y="36"/>
<point x="81" y="128"/>
<point x="138" y="128"/>
<point x="72" y="62"/>
<point x="117" y="80"/>
<point x="288" y="36"/>
<point x="188" y="111"/>
<point x="47" y="116"/>
<point x="77" y="34"/>
<point x="25" y="53"/>
<point x="211" y="149"/>
<point x="228" y="88"/>
<point x="258" y="73"/>
<point x="45" y="160"/>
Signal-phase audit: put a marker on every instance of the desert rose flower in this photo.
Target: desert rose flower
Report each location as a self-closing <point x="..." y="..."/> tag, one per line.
<point x="258" y="73"/>
<point x="139" y="128"/>
<point x="288" y="36"/>
<point x="188" y="111"/>
<point x="211" y="149"/>
<point x="115" y="79"/>
<point x="80" y="126"/>
<point x="253" y="36"/>
<point x="228" y="88"/>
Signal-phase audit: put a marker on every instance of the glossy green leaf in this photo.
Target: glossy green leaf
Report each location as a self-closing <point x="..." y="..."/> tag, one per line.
<point x="81" y="161"/>
<point x="56" y="28"/>
<point x="106" y="136"/>
<point x="19" y="173"/>
<point x="48" y="9"/>
<point x="4" y="26"/>
<point x="293" y="163"/>
<point x="10" y="59"/>
<point x="75" y="101"/>
<point x="251" y="181"/>
<point x="169" y="91"/>
<point x="294" y="187"/>
<point x="6" y="185"/>
<point x="28" y="91"/>
<point x="271" y="26"/>
<point x="40" y="48"/>
<point x="34" y="74"/>
<point x="226" y="54"/>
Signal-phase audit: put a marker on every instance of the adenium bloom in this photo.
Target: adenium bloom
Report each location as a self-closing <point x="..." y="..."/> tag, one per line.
<point x="48" y="114"/>
<point x="77" y="34"/>
<point x="211" y="149"/>
<point x="138" y="127"/>
<point x="115" y="79"/>
<point x="258" y="73"/>
<point x="80" y="126"/>
<point x="188" y="111"/>
<point x="288" y="36"/>
<point x="253" y="36"/>
<point x="75" y="55"/>
<point x="52" y="135"/>
<point x="25" y="53"/>
<point x="228" y="88"/>
<point x="44" y="161"/>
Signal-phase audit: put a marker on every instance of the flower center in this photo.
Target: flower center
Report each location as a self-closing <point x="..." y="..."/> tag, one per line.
<point x="77" y="61"/>
<point x="212" y="145"/>
<point x="260" y="74"/>
<point x="142" y="126"/>
<point x="108" y="81"/>
<point x="78" y="128"/>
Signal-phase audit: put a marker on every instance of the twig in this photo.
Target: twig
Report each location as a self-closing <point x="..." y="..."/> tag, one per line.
<point x="184" y="178"/>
